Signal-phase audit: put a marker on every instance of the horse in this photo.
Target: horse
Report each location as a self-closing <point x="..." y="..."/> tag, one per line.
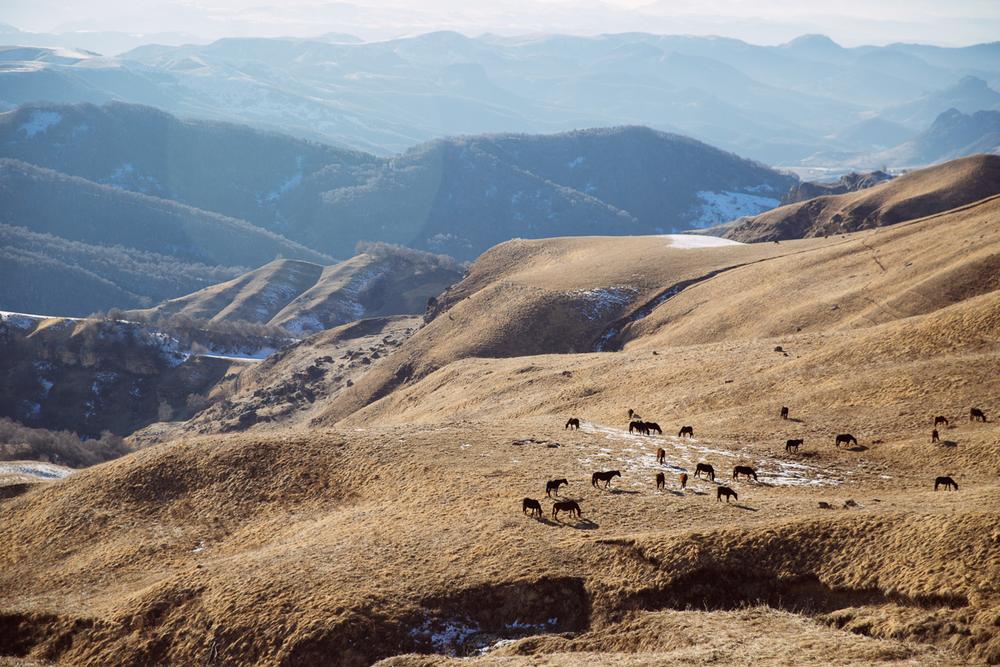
<point x="661" y="481"/>
<point x="605" y="477"/>
<point x="784" y="412"/>
<point x="573" y="423"/>
<point x="684" y="480"/>
<point x="940" y="419"/>
<point x="686" y="430"/>
<point x="639" y="426"/>
<point x="975" y="414"/>
<point x="633" y="415"/>
<point x="653" y="426"/>
<point x="661" y="456"/>
<point x="704" y="468"/>
<point x="570" y="506"/>
<point x="793" y="445"/>
<point x="727" y="492"/>
<point x="846" y="439"/>
<point x="744" y="470"/>
<point x="948" y="483"/>
<point x="935" y="436"/>
<point x="553" y="485"/>
<point x="533" y="505"/>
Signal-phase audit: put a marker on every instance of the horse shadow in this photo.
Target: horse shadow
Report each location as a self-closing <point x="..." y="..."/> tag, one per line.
<point x="745" y="507"/>
<point x="676" y="493"/>
<point x="621" y="491"/>
<point x="856" y="448"/>
<point x="581" y="524"/>
<point x="699" y="493"/>
<point x="795" y="419"/>
<point x="949" y="443"/>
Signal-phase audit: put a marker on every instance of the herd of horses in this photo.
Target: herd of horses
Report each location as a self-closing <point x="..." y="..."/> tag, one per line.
<point x="533" y="507"/>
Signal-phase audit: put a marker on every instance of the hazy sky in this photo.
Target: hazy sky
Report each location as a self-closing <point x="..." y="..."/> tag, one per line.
<point x="850" y="22"/>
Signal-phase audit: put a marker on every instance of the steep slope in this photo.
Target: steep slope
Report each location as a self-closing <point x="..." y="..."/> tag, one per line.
<point x="847" y="183"/>
<point x="304" y="298"/>
<point x="952" y="135"/>
<point x="916" y="194"/>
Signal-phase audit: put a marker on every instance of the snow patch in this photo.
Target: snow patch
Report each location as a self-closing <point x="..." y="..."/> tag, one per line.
<point x="717" y="207"/>
<point x="688" y="241"/>
<point x="576" y="163"/>
<point x="40" y="122"/>
<point x="598" y="303"/>
<point x="42" y="470"/>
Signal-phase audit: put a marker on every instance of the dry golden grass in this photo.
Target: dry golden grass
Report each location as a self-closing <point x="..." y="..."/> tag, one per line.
<point x="395" y="529"/>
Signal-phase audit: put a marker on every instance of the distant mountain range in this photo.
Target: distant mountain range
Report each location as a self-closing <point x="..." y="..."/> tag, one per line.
<point x="780" y="104"/>
<point x="457" y="196"/>
<point x="952" y="135"/>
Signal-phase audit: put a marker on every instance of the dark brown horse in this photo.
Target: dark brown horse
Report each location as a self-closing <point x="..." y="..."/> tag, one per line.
<point x="947" y="482"/>
<point x="570" y="506"/>
<point x="632" y="414"/>
<point x="940" y="419"/>
<point x="661" y="456"/>
<point x="686" y="430"/>
<point x="661" y="481"/>
<point x="727" y="492"/>
<point x="977" y="415"/>
<point x="605" y="477"/>
<point x="793" y="445"/>
<point x="533" y="505"/>
<point x="784" y="412"/>
<point x="684" y="480"/>
<point x="553" y="485"/>
<point x="573" y="423"/>
<point x="744" y="470"/>
<point x="653" y="426"/>
<point x="846" y="439"/>
<point x="638" y="426"/>
<point x="704" y="468"/>
<point x="935" y="436"/>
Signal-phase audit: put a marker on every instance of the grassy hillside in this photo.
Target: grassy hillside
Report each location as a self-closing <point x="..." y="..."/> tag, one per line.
<point x="914" y="195"/>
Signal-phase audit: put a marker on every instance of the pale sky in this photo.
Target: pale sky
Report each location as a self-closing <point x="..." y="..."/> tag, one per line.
<point x="850" y="22"/>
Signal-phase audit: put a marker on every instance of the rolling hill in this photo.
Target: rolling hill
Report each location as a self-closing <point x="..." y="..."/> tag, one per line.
<point x="913" y="195"/>
<point x="305" y="298"/>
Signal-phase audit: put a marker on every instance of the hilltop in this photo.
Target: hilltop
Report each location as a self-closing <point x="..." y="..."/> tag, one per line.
<point x="917" y="194"/>
<point x="953" y="134"/>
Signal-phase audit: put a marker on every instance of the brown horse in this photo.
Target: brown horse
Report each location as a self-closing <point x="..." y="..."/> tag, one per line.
<point x="566" y="506"/>
<point x="639" y="426"/>
<point x="940" y="419"/>
<point x="727" y="492"/>
<point x="605" y="477"/>
<point x="684" y="480"/>
<point x="632" y="414"/>
<point x="533" y="505"/>
<point x="977" y="415"/>
<point x="653" y="426"/>
<point x="784" y="412"/>
<point x="744" y="470"/>
<point x="661" y="481"/>
<point x="793" y="445"/>
<point x="846" y="439"/>
<point x="704" y="468"/>
<point x="573" y="423"/>
<point x="553" y="485"/>
<point x="661" y="456"/>
<point x="686" y="430"/>
<point x="935" y="436"/>
<point x="947" y="482"/>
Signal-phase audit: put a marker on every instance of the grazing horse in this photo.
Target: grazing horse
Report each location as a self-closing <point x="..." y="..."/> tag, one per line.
<point x="744" y="470"/>
<point x="704" y="468"/>
<point x="661" y="481"/>
<point x="653" y="426"/>
<point x="573" y="423"/>
<point x="639" y="426"/>
<point x="533" y="505"/>
<point x="570" y="506"/>
<point x="846" y="439"/>
<point x="727" y="492"/>
<point x="793" y="445"/>
<point x="684" y="480"/>
<point x="935" y="436"/>
<point x="686" y="430"/>
<point x="784" y="412"/>
<point x="661" y="456"/>
<point x="940" y="419"/>
<point x="605" y="477"/>
<point x="632" y="414"/>
<point x="947" y="482"/>
<point x="553" y="485"/>
<point x="977" y="415"/>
